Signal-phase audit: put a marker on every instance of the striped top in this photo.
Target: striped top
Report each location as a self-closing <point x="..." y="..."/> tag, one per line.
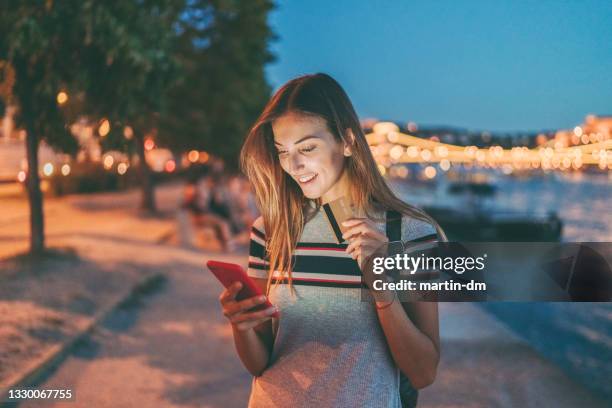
<point x="329" y="349"/>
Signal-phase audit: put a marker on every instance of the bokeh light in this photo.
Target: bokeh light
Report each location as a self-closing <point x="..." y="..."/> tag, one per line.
<point x="193" y="156"/>
<point x="48" y="169"/>
<point x="104" y="128"/>
<point x="149" y="144"/>
<point x="170" y="166"/>
<point x="122" y="168"/>
<point x="62" y="97"/>
<point x="65" y="169"/>
<point x="108" y="161"/>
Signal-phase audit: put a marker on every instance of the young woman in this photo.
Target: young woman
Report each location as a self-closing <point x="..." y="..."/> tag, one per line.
<point x="329" y="347"/>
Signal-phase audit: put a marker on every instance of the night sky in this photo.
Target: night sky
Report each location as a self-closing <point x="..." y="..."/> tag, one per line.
<point x="483" y="65"/>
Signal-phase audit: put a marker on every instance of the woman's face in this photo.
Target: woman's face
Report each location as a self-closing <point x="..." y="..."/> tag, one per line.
<point x="309" y="153"/>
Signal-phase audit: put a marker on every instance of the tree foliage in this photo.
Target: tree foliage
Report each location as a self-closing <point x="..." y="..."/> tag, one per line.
<point x="192" y="69"/>
<point x="222" y="47"/>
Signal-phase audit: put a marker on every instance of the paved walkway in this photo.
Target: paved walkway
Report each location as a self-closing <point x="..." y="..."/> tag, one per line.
<point x="104" y="215"/>
<point x="484" y="364"/>
<point x="173" y="350"/>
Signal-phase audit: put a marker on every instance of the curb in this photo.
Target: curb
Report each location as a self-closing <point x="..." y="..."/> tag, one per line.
<point x="52" y="357"/>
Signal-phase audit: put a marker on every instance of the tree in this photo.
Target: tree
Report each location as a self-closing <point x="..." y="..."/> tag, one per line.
<point x="222" y="48"/>
<point x="40" y="51"/>
<point x="123" y="58"/>
<point x="138" y="69"/>
<point x="116" y="52"/>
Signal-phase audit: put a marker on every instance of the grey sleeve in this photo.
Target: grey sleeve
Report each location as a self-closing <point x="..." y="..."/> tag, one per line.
<point x="412" y="229"/>
<point x="418" y="237"/>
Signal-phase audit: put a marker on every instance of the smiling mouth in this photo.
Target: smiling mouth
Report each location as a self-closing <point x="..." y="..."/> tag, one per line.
<point x="306" y="179"/>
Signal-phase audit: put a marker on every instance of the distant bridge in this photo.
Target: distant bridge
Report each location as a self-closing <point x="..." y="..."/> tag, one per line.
<point x="390" y="146"/>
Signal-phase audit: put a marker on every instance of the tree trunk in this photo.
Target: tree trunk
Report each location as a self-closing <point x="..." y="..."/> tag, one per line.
<point x="148" y="192"/>
<point x="37" y="221"/>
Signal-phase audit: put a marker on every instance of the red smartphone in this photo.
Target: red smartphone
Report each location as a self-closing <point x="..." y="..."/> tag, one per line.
<point x="228" y="273"/>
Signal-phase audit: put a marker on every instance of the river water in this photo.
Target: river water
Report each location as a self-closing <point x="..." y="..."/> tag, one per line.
<point x="582" y="201"/>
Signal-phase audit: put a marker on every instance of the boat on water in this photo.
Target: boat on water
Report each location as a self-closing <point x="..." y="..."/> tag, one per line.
<point x="467" y="225"/>
<point x="474" y="220"/>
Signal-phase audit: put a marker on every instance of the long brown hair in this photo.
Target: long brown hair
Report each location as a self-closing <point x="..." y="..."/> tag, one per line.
<point x="283" y="206"/>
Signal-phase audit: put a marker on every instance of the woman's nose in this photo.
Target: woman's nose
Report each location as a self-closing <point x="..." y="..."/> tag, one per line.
<point x="295" y="164"/>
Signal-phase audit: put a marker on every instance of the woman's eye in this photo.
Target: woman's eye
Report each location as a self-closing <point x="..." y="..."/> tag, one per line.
<point x="309" y="148"/>
<point x="281" y="152"/>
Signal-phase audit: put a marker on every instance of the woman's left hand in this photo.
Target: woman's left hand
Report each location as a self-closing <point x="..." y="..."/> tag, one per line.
<point x="365" y="240"/>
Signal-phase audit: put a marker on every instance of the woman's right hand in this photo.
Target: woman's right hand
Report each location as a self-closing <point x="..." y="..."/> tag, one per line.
<point x="237" y="312"/>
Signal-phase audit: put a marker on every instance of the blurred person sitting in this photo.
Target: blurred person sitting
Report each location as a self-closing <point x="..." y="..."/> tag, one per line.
<point x="208" y="202"/>
<point x="242" y="208"/>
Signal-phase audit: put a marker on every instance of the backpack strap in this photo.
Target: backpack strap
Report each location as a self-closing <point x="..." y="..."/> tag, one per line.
<point x="394" y="225"/>
<point x="408" y="394"/>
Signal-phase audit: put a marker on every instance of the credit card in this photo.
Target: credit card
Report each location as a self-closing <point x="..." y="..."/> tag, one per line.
<point x="338" y="211"/>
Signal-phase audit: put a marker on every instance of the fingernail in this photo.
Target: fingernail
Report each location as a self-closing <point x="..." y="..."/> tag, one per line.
<point x="271" y="310"/>
<point x="262" y="298"/>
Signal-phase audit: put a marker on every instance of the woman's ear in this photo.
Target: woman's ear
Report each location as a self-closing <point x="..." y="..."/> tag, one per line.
<point x="348" y="145"/>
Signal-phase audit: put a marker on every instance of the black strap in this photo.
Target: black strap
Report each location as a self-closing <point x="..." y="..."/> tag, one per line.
<point x="333" y="222"/>
<point x="408" y="394"/>
<point x="394" y="225"/>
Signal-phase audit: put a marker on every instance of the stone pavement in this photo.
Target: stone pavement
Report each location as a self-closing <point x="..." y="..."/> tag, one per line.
<point x="173" y="349"/>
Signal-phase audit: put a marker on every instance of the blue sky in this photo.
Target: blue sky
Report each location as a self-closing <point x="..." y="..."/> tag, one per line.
<point x="488" y="65"/>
